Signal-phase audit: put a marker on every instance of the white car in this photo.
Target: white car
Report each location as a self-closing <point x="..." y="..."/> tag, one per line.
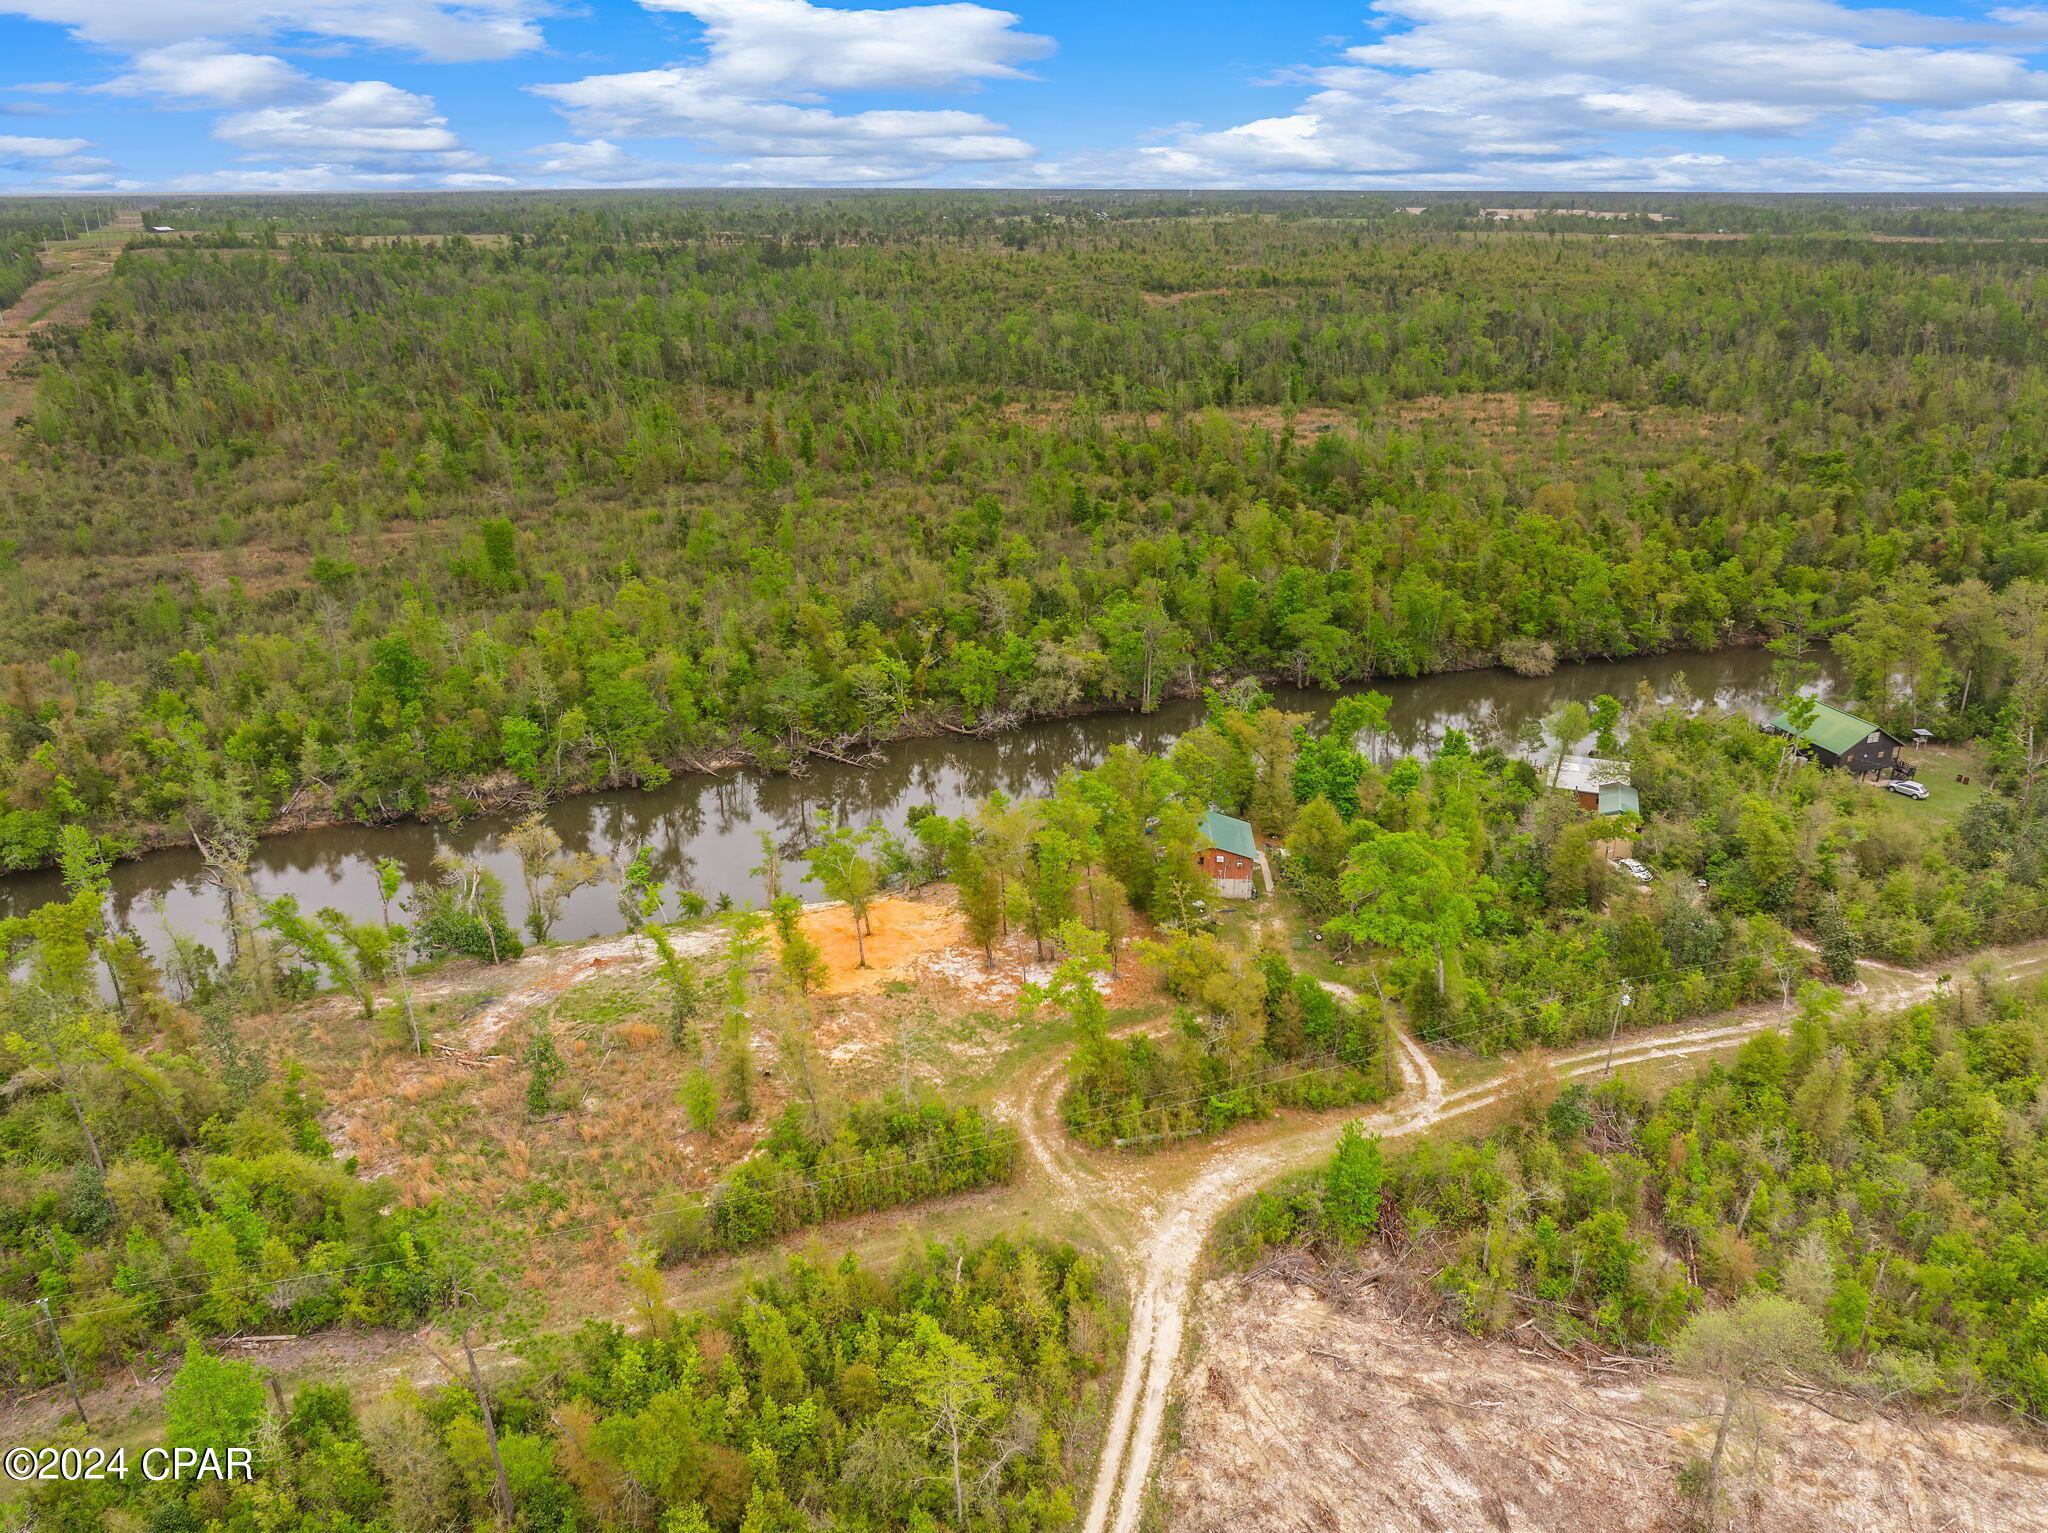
<point x="1634" y="869"/>
<point x="1908" y="787"/>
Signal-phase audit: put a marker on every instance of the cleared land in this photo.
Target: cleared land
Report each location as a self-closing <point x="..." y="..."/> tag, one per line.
<point x="77" y="270"/>
<point x="1366" y="1417"/>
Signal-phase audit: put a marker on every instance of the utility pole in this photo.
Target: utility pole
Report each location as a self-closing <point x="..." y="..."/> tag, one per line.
<point x="1386" y="1033"/>
<point x="1625" y="999"/>
<point x="502" y="1492"/>
<point x="64" y="1357"/>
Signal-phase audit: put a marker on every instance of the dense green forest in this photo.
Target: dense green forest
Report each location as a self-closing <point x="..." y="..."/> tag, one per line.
<point x="591" y="490"/>
<point x="1885" y="1169"/>
<point x="162" y="1172"/>
<point x="878" y="1155"/>
<point x="1487" y="904"/>
<point x="955" y="1392"/>
<point x="163" y="1178"/>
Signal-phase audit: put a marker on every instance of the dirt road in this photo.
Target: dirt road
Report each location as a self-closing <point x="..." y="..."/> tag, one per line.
<point x="1159" y="1308"/>
<point x="1151" y="1215"/>
<point x="1172" y="1246"/>
<point x="77" y="270"/>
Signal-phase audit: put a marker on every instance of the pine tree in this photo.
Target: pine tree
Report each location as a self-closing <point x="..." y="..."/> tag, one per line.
<point x="1351" y="1187"/>
<point x="1050" y="882"/>
<point x="1316" y="847"/>
<point x="640" y="902"/>
<point x="1837" y="941"/>
<point x="398" y="939"/>
<point x="980" y="899"/>
<point x="840" y="864"/>
<point x="736" y="1027"/>
<point x="803" y="962"/>
<point x="320" y="944"/>
<point x="953" y="1388"/>
<point x="699" y="1095"/>
<point x="796" y="1050"/>
<point x="543" y="1068"/>
<point x="1180" y="891"/>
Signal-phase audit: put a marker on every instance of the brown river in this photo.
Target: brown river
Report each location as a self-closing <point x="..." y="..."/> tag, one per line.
<point x="703" y="830"/>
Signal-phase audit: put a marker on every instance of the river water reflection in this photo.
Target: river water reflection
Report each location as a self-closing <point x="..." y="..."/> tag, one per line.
<point x="702" y="830"/>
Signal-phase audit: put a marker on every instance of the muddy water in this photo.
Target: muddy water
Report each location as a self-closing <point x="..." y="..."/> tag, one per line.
<point x="704" y="830"/>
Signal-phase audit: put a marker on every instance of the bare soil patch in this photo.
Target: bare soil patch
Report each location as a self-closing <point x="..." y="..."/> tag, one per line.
<point x="923" y="973"/>
<point x="1302" y="1416"/>
<point x="1305" y="418"/>
<point x="454" y="1124"/>
<point x="903" y="933"/>
<point x="1514" y="425"/>
<point x="920" y="941"/>
<point x="1168" y="300"/>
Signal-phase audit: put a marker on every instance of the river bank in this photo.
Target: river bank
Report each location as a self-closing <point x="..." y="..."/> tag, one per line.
<point x="703" y="831"/>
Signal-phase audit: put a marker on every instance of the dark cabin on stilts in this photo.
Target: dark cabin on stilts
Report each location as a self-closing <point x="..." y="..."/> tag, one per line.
<point x="1838" y="739"/>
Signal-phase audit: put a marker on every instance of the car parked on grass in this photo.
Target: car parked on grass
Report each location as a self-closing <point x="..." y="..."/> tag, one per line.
<point x="1907" y="787"/>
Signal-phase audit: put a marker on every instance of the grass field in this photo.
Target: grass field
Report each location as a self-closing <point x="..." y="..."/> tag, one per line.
<point x="1939" y="767"/>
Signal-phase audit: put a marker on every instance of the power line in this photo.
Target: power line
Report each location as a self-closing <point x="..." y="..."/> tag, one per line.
<point x="1274" y="1074"/>
<point x="675" y="1202"/>
<point x="1270" y="1075"/>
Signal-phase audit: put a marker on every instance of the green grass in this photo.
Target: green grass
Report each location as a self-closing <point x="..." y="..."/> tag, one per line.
<point x="1939" y="766"/>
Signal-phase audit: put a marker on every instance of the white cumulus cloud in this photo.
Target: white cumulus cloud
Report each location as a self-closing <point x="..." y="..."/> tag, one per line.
<point x="1650" y="94"/>
<point x="367" y="124"/>
<point x="201" y="70"/>
<point x="296" y="178"/>
<point x="473" y="29"/>
<point x="17" y="150"/>
<point x="1631" y="93"/>
<point x="207" y="53"/>
<point x="598" y="162"/>
<point x="768" y="65"/>
<point x="55" y="164"/>
<point x="780" y="45"/>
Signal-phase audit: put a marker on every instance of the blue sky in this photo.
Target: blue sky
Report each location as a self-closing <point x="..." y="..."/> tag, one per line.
<point x="224" y="95"/>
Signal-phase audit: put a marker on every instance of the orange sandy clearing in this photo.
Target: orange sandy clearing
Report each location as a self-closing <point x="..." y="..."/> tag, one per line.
<point x="903" y="932"/>
<point x="924" y="940"/>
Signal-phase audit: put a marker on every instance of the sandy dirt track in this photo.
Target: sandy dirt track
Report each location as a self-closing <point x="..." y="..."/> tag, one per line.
<point x="76" y="272"/>
<point x="1172" y="1244"/>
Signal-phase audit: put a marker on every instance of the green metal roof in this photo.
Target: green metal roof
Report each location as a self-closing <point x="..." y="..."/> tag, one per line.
<point x="1228" y="835"/>
<point x="1833" y="730"/>
<point x="1620" y="798"/>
